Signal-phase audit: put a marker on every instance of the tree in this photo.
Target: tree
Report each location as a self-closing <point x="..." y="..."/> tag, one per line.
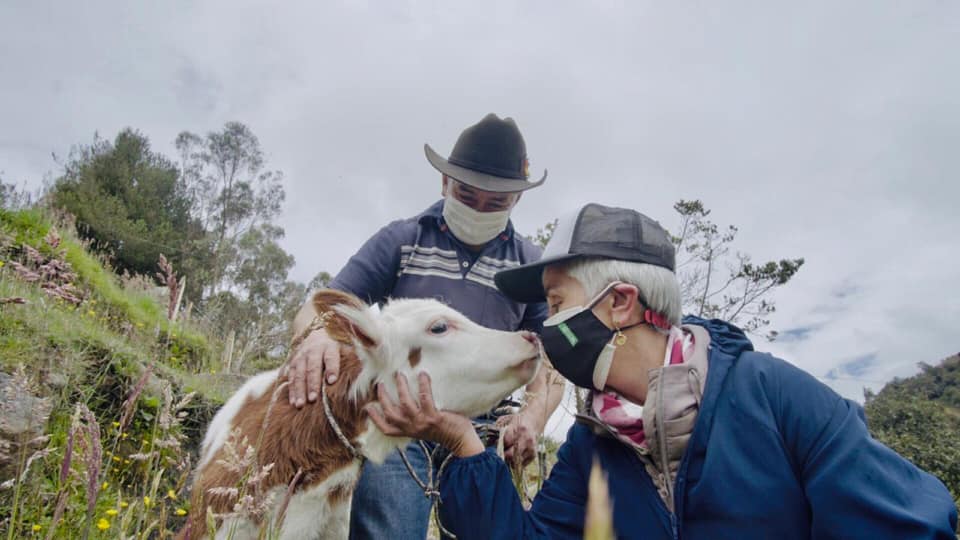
<point x="545" y="233"/>
<point x="129" y="201"/>
<point x="237" y="199"/>
<point x="319" y="281"/>
<point x="716" y="284"/>
<point x="11" y="197"/>
<point x="923" y="431"/>
<point x="230" y="191"/>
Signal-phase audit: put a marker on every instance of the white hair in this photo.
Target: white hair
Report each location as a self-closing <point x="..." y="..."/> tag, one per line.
<point x="659" y="288"/>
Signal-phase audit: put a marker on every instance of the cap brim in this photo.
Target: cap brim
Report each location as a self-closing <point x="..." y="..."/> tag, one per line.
<point x="479" y="180"/>
<point x="525" y="283"/>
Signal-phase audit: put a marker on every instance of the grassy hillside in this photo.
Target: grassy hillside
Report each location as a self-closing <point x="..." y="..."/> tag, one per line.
<point x="104" y="398"/>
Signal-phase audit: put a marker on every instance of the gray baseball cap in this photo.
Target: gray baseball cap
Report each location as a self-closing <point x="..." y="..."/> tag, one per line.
<point x="591" y="231"/>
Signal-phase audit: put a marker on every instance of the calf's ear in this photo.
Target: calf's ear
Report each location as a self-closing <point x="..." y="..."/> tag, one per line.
<point x="346" y="318"/>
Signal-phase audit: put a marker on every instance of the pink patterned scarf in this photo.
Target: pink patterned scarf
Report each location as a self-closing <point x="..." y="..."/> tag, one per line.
<point x="626" y="417"/>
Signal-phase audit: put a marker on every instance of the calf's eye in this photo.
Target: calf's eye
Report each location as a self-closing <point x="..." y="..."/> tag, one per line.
<point x="438" y="328"/>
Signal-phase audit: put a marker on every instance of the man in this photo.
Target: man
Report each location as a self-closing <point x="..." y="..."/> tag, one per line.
<point x="700" y="436"/>
<point x="451" y="252"/>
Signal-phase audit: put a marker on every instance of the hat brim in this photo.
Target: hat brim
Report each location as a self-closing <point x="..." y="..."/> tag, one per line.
<point x="525" y="283"/>
<point x="479" y="180"/>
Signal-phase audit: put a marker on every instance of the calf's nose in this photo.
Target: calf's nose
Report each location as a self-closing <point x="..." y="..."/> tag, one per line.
<point x="529" y="336"/>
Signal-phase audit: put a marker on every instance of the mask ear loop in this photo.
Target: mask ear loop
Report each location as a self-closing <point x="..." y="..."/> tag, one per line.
<point x="603" y="293"/>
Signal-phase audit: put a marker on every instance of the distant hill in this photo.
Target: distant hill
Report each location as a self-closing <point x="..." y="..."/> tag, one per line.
<point x="938" y="383"/>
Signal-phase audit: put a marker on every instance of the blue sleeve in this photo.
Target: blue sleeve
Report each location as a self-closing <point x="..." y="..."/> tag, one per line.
<point x="370" y="274"/>
<point x="533" y="317"/>
<point x="479" y="500"/>
<point x="856" y="486"/>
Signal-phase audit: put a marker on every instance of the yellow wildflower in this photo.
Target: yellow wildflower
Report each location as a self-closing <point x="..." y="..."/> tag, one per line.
<point x="171" y="494"/>
<point x="146" y="500"/>
<point x="93" y="313"/>
<point x="123" y="504"/>
<point x="35" y="528"/>
<point x="126" y="462"/>
<point x="180" y="512"/>
<point x="103" y="524"/>
<point x="112" y="512"/>
<point x="105" y="485"/>
<point x="117" y="459"/>
<point x="1" y="266"/>
<point x="116" y="424"/>
<point x="124" y="435"/>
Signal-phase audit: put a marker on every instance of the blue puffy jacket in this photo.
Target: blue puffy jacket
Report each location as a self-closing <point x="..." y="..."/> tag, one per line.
<point x="775" y="454"/>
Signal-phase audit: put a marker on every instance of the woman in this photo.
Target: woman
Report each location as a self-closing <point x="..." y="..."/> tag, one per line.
<point x="700" y="436"/>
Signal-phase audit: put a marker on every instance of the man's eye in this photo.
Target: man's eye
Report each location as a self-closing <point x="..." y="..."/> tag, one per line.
<point x="439" y="327"/>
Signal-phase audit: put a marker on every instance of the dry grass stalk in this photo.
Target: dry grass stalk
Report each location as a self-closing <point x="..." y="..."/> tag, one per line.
<point x="250" y="501"/>
<point x="93" y="462"/>
<point x="227" y="359"/>
<point x="176" y="304"/>
<point x="62" y="491"/>
<point x="598" y="524"/>
<point x="130" y="404"/>
<point x="169" y="279"/>
<point x="94" y="458"/>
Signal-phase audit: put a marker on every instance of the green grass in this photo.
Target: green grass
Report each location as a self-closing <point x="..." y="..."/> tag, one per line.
<point x="108" y="298"/>
<point x="93" y="354"/>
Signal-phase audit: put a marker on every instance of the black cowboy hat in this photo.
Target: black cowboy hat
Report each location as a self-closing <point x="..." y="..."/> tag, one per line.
<point x="489" y="155"/>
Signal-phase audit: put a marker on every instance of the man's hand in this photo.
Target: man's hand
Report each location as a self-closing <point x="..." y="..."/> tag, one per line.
<point x="519" y="432"/>
<point x="318" y="356"/>
<point x="420" y="419"/>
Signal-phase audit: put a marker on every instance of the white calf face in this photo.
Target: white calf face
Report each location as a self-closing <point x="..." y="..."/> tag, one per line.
<point x="471" y="367"/>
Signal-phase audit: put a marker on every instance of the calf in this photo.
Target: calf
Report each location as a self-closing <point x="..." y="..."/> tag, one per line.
<point x="300" y="462"/>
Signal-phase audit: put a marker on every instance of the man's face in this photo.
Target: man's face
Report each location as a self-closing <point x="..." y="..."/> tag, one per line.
<point x="478" y="199"/>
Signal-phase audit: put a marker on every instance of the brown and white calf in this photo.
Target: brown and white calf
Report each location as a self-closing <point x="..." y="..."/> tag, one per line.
<point x="471" y="368"/>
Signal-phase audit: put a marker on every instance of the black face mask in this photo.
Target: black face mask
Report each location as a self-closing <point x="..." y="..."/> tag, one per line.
<point x="574" y="341"/>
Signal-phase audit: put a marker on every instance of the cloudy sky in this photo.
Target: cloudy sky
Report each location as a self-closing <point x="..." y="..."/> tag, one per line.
<point x="827" y="130"/>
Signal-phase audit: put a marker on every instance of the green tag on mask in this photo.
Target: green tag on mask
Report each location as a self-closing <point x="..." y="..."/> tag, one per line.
<point x="568" y="333"/>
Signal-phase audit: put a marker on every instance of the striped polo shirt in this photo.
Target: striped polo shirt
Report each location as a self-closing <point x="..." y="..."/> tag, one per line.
<point x="419" y="257"/>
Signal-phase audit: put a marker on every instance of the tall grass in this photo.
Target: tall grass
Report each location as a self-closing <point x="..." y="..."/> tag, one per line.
<point x="114" y="460"/>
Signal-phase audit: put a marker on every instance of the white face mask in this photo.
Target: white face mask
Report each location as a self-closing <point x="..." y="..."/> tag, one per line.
<point x="472" y="227"/>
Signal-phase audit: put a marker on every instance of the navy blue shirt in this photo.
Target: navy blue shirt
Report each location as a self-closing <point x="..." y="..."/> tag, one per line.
<point x="420" y="258"/>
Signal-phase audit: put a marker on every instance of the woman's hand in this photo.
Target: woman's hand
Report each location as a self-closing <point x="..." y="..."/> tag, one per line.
<point x="420" y="419"/>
